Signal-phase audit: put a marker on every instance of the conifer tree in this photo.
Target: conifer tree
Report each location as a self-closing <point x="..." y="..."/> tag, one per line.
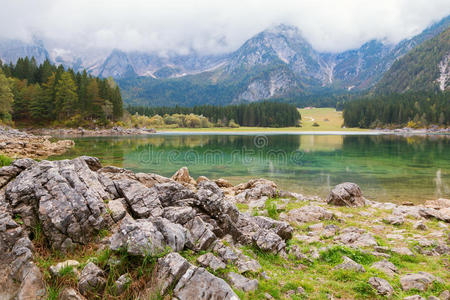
<point x="66" y="96"/>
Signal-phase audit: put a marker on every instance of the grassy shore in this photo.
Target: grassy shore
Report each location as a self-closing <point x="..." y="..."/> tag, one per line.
<point x="328" y="119"/>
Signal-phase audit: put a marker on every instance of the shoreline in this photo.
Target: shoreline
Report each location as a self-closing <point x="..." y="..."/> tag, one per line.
<point x="119" y="131"/>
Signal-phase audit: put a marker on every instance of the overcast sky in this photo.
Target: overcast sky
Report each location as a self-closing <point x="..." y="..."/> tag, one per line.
<point x="211" y="26"/>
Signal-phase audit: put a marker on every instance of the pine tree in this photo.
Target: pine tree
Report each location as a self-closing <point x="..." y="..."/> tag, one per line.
<point x="6" y="98"/>
<point x="66" y="96"/>
<point x="117" y="102"/>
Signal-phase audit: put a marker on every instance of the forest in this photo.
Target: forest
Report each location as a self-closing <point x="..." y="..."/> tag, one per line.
<point x="46" y="94"/>
<point x="414" y="109"/>
<point x="259" y="114"/>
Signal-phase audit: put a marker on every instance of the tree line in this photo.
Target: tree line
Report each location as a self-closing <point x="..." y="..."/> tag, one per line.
<point x="257" y="114"/>
<point x="414" y="109"/>
<point x="49" y="94"/>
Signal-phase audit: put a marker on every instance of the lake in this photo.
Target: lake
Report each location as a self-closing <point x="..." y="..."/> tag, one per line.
<point x="387" y="167"/>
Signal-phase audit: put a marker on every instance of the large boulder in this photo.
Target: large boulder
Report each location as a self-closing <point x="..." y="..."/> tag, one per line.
<point x="65" y="196"/>
<point x="346" y="194"/>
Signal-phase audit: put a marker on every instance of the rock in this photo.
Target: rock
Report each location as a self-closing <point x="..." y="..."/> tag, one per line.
<point x="419" y="225"/>
<point x="349" y="264"/>
<point x="386" y="267"/>
<point x="419" y="281"/>
<point x="150" y="179"/>
<point x="14" y="143"/>
<point x="255" y="189"/>
<point x="445" y="295"/>
<point x="223" y="183"/>
<point x="309" y="213"/>
<point x="267" y="240"/>
<point x="283" y="229"/>
<point x="246" y="264"/>
<point x="117" y="209"/>
<point x="242" y="283"/>
<point x="174" y="194"/>
<point x="65" y="196"/>
<point x="438" y="204"/>
<point x="182" y="176"/>
<point x="69" y="293"/>
<point x="122" y="283"/>
<point x="179" y="215"/>
<point x="330" y="230"/>
<point x="432" y="298"/>
<point x="169" y="270"/>
<point x="441" y="214"/>
<point x="381" y="285"/>
<point x="444" y="214"/>
<point x="148" y="236"/>
<point x="356" y="237"/>
<point x="414" y="297"/>
<point x="92" y="280"/>
<point x="346" y="194"/>
<point x="56" y="269"/>
<point x="20" y="278"/>
<point x="394" y="220"/>
<point x="402" y="251"/>
<point x="316" y="227"/>
<point x="201" y="234"/>
<point x="226" y="253"/>
<point x="301" y="291"/>
<point x="197" y="283"/>
<point x="202" y="178"/>
<point x="143" y="202"/>
<point x="211" y="261"/>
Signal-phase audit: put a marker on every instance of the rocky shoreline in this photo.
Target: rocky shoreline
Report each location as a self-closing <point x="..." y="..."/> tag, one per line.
<point x="420" y="131"/>
<point x="74" y="229"/>
<point x="15" y="143"/>
<point x="81" y="132"/>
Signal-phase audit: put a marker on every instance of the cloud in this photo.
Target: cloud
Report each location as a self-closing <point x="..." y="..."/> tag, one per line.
<point x="210" y="26"/>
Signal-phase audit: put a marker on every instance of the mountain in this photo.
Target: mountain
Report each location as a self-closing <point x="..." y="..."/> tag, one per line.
<point x="12" y="50"/>
<point x="276" y="63"/>
<point x="426" y="67"/>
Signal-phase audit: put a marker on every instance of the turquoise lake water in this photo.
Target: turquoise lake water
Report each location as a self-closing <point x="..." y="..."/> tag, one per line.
<point x="387" y="167"/>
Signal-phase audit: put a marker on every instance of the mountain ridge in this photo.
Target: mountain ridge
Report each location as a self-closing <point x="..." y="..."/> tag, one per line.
<point x="275" y="63"/>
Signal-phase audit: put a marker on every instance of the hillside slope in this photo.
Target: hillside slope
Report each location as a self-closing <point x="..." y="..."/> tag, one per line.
<point x="426" y="67"/>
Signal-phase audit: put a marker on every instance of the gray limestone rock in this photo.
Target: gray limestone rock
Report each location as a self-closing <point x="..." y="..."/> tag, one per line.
<point x="346" y="194"/>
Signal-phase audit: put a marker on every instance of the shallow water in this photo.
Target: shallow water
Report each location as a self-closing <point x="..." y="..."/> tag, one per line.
<point x="387" y="167"/>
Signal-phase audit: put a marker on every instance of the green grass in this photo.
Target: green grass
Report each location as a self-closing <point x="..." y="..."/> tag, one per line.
<point x="319" y="115"/>
<point x="271" y="207"/>
<point x="5" y="160"/>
